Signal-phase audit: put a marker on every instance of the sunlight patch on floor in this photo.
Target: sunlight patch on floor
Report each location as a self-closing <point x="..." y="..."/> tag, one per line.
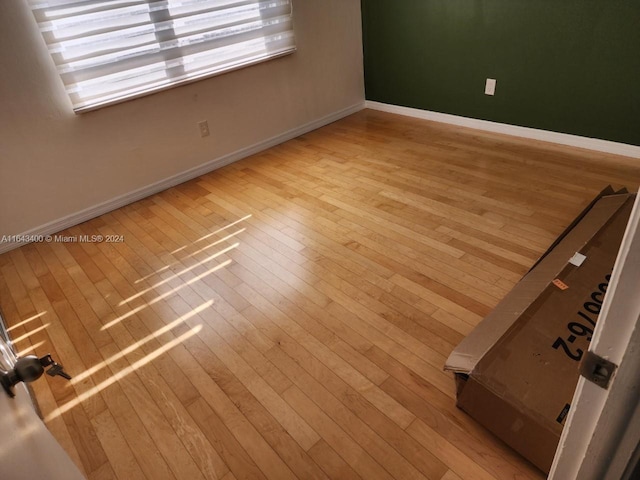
<point x="122" y="373"/>
<point x="32" y="348"/>
<point x="164" y="295"/>
<point x="29" y="333"/>
<point x="209" y="235"/>
<point x="176" y="275"/>
<point x="87" y="373"/>
<point x="123" y="317"/>
<point x="24" y="322"/>
<point x="167" y="267"/>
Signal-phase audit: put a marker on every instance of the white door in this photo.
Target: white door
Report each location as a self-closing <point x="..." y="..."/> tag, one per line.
<point x="601" y="437"/>
<point x="28" y="451"/>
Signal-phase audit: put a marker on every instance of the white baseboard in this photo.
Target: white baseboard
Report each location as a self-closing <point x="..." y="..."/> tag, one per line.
<point x="122" y="200"/>
<point x="516" y="131"/>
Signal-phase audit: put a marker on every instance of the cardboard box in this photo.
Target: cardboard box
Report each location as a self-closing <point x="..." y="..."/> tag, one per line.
<point x="517" y="371"/>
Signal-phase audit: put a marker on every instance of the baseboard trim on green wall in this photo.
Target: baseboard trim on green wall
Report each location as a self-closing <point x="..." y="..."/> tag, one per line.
<point x="514" y="130"/>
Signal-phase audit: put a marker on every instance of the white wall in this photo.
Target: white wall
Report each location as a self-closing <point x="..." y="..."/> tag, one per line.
<point x="54" y="163"/>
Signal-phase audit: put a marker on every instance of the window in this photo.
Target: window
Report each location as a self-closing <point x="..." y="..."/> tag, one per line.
<point x="108" y="51"/>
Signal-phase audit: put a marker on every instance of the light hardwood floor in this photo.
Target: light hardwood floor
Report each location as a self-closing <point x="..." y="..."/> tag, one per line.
<point x="288" y="316"/>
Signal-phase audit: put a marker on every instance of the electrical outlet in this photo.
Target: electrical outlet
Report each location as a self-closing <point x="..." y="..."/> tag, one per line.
<point x="204" y="128"/>
<point x="490" y="86"/>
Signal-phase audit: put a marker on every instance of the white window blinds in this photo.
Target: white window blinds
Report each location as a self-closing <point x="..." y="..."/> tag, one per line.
<point x="107" y="51"/>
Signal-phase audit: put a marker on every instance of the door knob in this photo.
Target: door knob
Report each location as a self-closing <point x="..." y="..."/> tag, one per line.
<point x="29" y="369"/>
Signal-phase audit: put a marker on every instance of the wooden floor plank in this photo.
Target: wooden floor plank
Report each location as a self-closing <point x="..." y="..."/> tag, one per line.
<point x="288" y="316"/>
<point x="121" y="458"/>
<point x="332" y="464"/>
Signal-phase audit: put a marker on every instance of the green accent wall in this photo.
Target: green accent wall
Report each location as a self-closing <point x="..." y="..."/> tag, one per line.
<point x="570" y="66"/>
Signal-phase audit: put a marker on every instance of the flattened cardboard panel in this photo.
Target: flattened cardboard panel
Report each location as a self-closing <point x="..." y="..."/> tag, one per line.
<point x="522" y="384"/>
<point x="461" y="381"/>
<point x="608" y="190"/>
<point x="518" y="430"/>
<point x="523" y="367"/>
<point x="466" y="355"/>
